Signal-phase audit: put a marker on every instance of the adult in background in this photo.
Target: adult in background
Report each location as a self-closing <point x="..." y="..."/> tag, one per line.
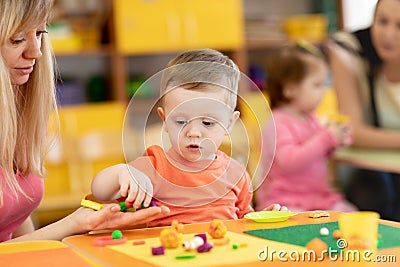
<point x="365" y="67"/>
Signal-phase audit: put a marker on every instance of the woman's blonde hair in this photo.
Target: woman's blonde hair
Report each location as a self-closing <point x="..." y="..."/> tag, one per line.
<point x="25" y="109"/>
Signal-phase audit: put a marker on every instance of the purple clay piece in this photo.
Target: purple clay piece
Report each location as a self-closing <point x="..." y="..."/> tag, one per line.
<point x="157" y="250"/>
<point x="153" y="204"/>
<point x="203" y="236"/>
<point x="205" y="248"/>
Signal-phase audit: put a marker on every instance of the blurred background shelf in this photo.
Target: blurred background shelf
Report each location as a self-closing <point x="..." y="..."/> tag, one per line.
<point x="105" y="49"/>
<point x="120" y="33"/>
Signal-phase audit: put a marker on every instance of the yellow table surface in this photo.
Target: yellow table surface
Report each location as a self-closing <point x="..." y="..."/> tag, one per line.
<point x="375" y="159"/>
<point x="219" y="257"/>
<point x="41" y="253"/>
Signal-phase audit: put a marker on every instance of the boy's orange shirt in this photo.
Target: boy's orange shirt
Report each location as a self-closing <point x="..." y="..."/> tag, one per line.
<point x="220" y="190"/>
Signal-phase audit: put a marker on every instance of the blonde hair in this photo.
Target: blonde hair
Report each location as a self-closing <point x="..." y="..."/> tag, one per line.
<point x="195" y="69"/>
<point x="25" y="109"/>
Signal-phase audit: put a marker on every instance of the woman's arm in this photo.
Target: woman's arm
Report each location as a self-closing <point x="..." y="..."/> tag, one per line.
<point x="344" y="69"/>
<point x="84" y="220"/>
<point x="26" y="227"/>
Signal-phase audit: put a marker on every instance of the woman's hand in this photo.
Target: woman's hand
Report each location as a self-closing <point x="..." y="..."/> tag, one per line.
<point x="84" y="220"/>
<point x="110" y="217"/>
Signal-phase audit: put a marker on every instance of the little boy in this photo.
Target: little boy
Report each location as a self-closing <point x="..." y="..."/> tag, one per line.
<point x="193" y="178"/>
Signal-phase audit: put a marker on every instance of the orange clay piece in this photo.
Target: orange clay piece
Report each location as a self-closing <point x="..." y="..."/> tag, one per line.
<point x="178" y="227"/>
<point x="337" y="234"/>
<point x="217" y="229"/>
<point x="170" y="238"/>
<point x="221" y="241"/>
<point x="318" y="246"/>
<point x="318" y="214"/>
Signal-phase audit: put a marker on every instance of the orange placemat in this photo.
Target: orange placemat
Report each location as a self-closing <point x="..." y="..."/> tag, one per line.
<point x="56" y="257"/>
<point x="219" y="256"/>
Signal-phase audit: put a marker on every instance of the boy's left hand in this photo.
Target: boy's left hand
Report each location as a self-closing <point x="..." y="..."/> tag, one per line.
<point x="135" y="186"/>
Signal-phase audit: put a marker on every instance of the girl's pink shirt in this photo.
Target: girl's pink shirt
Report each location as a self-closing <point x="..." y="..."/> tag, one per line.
<point x="15" y="211"/>
<point x="298" y="176"/>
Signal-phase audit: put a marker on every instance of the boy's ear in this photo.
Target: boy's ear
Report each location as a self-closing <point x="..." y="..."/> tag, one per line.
<point x="233" y="119"/>
<point x="161" y="113"/>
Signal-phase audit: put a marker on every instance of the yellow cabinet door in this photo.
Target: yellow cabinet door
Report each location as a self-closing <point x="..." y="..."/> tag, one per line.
<point x="215" y="24"/>
<point x="148" y="26"/>
<point x="143" y="26"/>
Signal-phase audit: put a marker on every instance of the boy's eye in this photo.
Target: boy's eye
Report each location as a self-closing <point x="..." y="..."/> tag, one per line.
<point x="208" y="123"/>
<point x="180" y="122"/>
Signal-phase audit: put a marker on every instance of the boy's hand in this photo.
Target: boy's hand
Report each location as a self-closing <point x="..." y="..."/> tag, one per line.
<point x="276" y="207"/>
<point x="135" y="186"/>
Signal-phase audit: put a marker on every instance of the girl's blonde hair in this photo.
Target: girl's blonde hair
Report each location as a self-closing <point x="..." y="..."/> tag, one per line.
<point x="25" y="109"/>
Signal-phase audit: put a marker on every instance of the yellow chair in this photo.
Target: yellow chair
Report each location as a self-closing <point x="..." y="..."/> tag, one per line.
<point x="90" y="140"/>
<point x="255" y="112"/>
<point x="328" y="105"/>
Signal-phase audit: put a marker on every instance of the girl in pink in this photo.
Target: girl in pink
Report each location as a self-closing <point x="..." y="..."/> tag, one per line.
<point x="298" y="175"/>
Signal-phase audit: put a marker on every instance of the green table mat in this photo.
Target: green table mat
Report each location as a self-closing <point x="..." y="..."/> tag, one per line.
<point x="301" y="234"/>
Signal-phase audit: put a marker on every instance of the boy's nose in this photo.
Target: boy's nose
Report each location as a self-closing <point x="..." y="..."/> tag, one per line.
<point x="193" y="129"/>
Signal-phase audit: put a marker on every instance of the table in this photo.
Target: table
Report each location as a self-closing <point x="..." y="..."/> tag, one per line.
<point x="375" y="159"/>
<point x="109" y="257"/>
<point x="41" y="253"/>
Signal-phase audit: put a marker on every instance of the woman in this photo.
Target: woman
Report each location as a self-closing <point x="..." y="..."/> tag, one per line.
<point x="366" y="75"/>
<point x="27" y="97"/>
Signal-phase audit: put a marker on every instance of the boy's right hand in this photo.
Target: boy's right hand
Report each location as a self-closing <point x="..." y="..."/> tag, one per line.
<point x="276" y="207"/>
<point x="135" y="186"/>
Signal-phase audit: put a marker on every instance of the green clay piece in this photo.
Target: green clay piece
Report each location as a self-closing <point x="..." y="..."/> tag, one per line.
<point x="123" y="206"/>
<point x="188" y="256"/>
<point x="116" y="234"/>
